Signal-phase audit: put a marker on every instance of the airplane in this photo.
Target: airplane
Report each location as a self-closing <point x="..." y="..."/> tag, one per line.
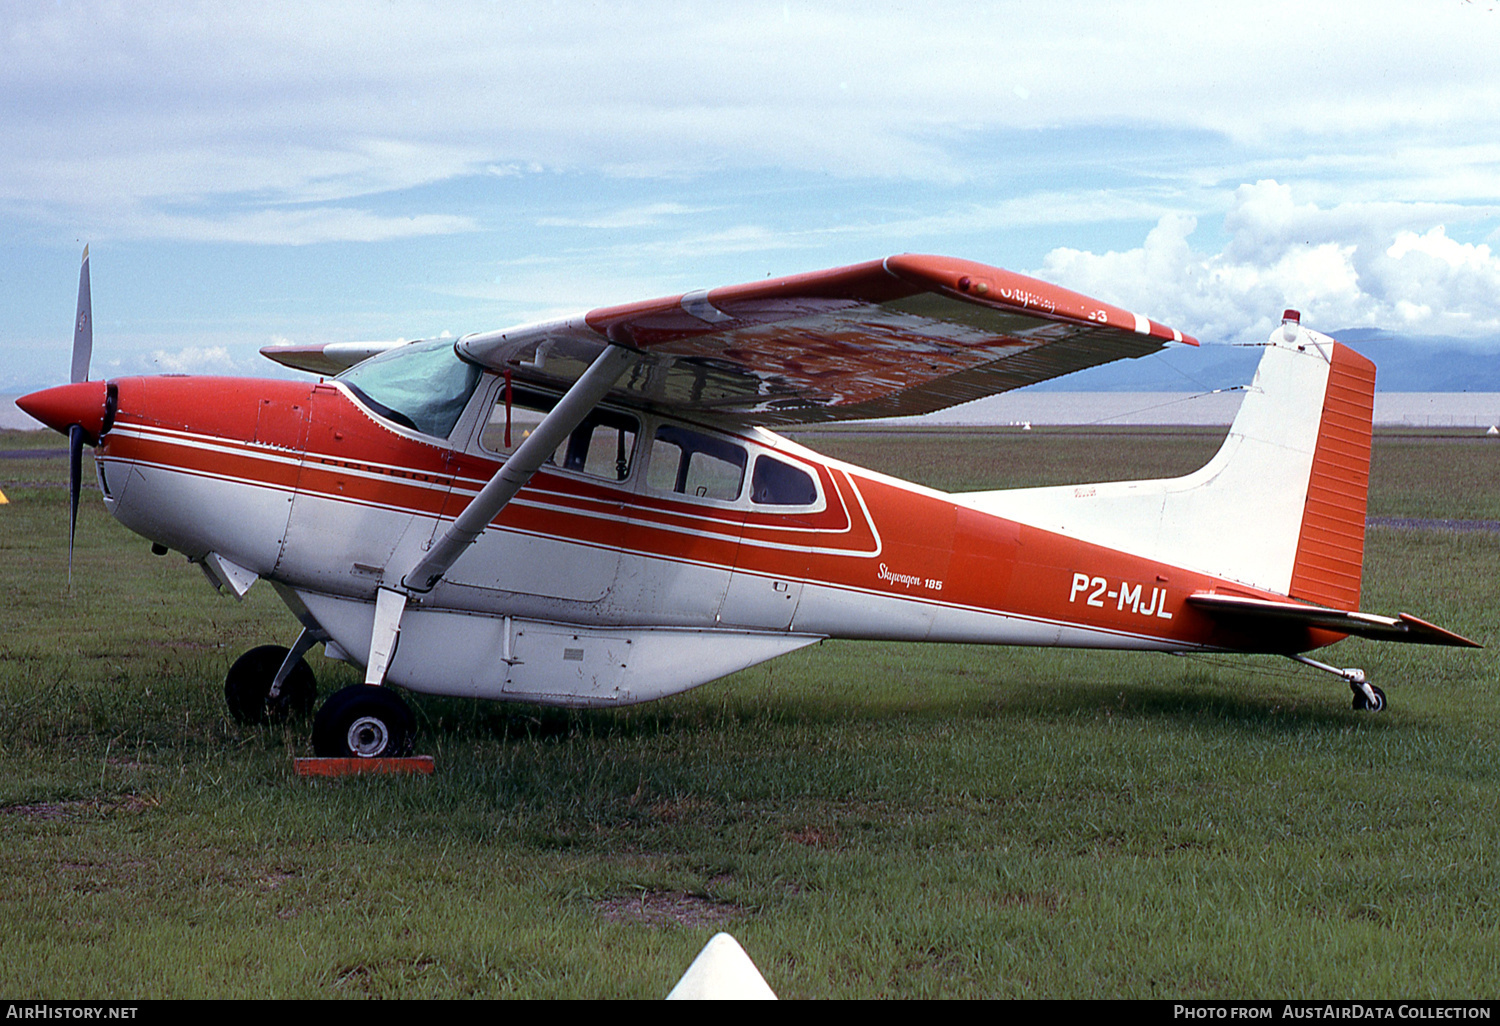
<point x="594" y="511"/>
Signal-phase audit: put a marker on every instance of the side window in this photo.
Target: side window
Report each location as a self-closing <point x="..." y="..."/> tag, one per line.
<point x="602" y="446"/>
<point x="694" y="464"/>
<point x="775" y="483"/>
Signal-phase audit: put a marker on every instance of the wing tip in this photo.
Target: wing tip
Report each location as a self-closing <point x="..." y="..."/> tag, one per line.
<point x="997" y="286"/>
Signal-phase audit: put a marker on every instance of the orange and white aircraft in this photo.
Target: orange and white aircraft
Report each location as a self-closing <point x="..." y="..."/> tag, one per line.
<point x="593" y="511"/>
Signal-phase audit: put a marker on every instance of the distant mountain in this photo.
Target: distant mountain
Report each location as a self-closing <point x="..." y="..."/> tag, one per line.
<point x="1428" y="363"/>
<point x="1404" y="363"/>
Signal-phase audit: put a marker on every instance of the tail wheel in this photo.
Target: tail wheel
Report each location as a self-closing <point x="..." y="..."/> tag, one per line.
<point x="248" y="686"/>
<point x="364" y="722"/>
<point x="1362" y="701"/>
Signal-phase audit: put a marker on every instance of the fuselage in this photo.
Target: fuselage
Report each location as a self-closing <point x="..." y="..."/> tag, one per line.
<point x="307" y="486"/>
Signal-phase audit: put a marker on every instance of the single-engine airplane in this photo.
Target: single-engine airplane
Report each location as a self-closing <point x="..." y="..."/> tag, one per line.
<point x="593" y="511"/>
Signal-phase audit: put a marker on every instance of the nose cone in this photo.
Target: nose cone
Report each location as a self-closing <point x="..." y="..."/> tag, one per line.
<point x="84" y="404"/>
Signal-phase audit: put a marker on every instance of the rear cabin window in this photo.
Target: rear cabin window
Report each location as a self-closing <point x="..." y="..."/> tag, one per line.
<point x="695" y="464"/>
<point x="775" y="483"/>
<point x="602" y="446"/>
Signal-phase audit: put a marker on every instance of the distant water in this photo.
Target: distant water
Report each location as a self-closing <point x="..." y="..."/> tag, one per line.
<point x="1410" y="409"/>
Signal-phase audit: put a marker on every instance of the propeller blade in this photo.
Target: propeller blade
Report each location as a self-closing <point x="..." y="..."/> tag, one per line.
<point x="75" y="483"/>
<point x="83" y="328"/>
<point x="83" y="352"/>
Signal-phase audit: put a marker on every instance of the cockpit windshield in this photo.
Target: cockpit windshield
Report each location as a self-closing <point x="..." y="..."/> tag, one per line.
<point x="421" y="385"/>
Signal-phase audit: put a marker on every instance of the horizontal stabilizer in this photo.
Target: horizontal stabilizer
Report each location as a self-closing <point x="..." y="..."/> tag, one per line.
<point x="1404" y="627"/>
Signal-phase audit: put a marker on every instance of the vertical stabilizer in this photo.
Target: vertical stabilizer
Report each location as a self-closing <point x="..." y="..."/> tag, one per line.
<point x="1281" y="506"/>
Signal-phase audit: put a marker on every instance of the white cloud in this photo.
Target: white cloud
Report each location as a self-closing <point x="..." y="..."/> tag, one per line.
<point x="193" y="360"/>
<point x="1351" y="265"/>
<point x="1437" y="244"/>
<point x="296" y="227"/>
<point x="644" y="216"/>
<point x="1451" y="287"/>
<point x="292" y="103"/>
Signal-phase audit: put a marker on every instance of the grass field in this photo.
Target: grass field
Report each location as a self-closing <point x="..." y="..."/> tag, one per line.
<point x="869" y="820"/>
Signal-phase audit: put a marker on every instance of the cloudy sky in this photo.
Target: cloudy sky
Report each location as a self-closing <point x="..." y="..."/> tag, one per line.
<point x="247" y="174"/>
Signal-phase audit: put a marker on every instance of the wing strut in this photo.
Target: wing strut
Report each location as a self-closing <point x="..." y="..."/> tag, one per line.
<point x="528" y="458"/>
<point x="530" y="455"/>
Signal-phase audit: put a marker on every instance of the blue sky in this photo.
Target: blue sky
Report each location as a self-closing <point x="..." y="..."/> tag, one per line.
<point x="247" y="174"/>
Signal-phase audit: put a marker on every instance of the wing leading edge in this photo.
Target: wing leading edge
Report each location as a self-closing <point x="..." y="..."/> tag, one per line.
<point x="905" y="335"/>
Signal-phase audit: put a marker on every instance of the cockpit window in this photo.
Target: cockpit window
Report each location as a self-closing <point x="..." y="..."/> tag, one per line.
<point x="422" y="385"/>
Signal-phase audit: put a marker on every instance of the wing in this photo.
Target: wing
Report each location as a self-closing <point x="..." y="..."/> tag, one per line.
<point x="326" y="357"/>
<point x="904" y="335"/>
<point x="894" y="337"/>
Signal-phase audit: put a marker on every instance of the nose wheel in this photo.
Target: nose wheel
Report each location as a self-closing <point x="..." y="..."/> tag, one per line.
<point x="250" y="682"/>
<point x="364" y="721"/>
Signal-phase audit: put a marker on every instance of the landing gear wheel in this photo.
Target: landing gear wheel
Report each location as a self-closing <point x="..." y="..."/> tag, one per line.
<point x="364" y="722"/>
<point x="1362" y="701"/>
<point x="249" y="683"/>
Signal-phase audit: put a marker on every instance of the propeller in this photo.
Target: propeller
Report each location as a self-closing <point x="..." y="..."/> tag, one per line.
<point x="83" y="351"/>
<point x="83" y="410"/>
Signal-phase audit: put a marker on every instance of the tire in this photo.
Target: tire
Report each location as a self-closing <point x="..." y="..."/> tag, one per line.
<point x="249" y="682"/>
<point x="364" y="722"/>
<point x="1363" y="704"/>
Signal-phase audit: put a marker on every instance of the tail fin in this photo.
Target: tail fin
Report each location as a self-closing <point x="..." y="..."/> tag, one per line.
<point x="1280" y="507"/>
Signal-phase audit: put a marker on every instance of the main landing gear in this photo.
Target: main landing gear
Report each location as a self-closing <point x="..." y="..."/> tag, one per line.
<point x="364" y="721"/>
<point x="271" y="684"/>
<point x="1367" y="696"/>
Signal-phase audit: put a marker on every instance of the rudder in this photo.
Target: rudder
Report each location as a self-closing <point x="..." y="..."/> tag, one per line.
<point x="1331" y="544"/>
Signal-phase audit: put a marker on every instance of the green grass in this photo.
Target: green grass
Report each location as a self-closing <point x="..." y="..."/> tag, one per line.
<point x="867" y="819"/>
